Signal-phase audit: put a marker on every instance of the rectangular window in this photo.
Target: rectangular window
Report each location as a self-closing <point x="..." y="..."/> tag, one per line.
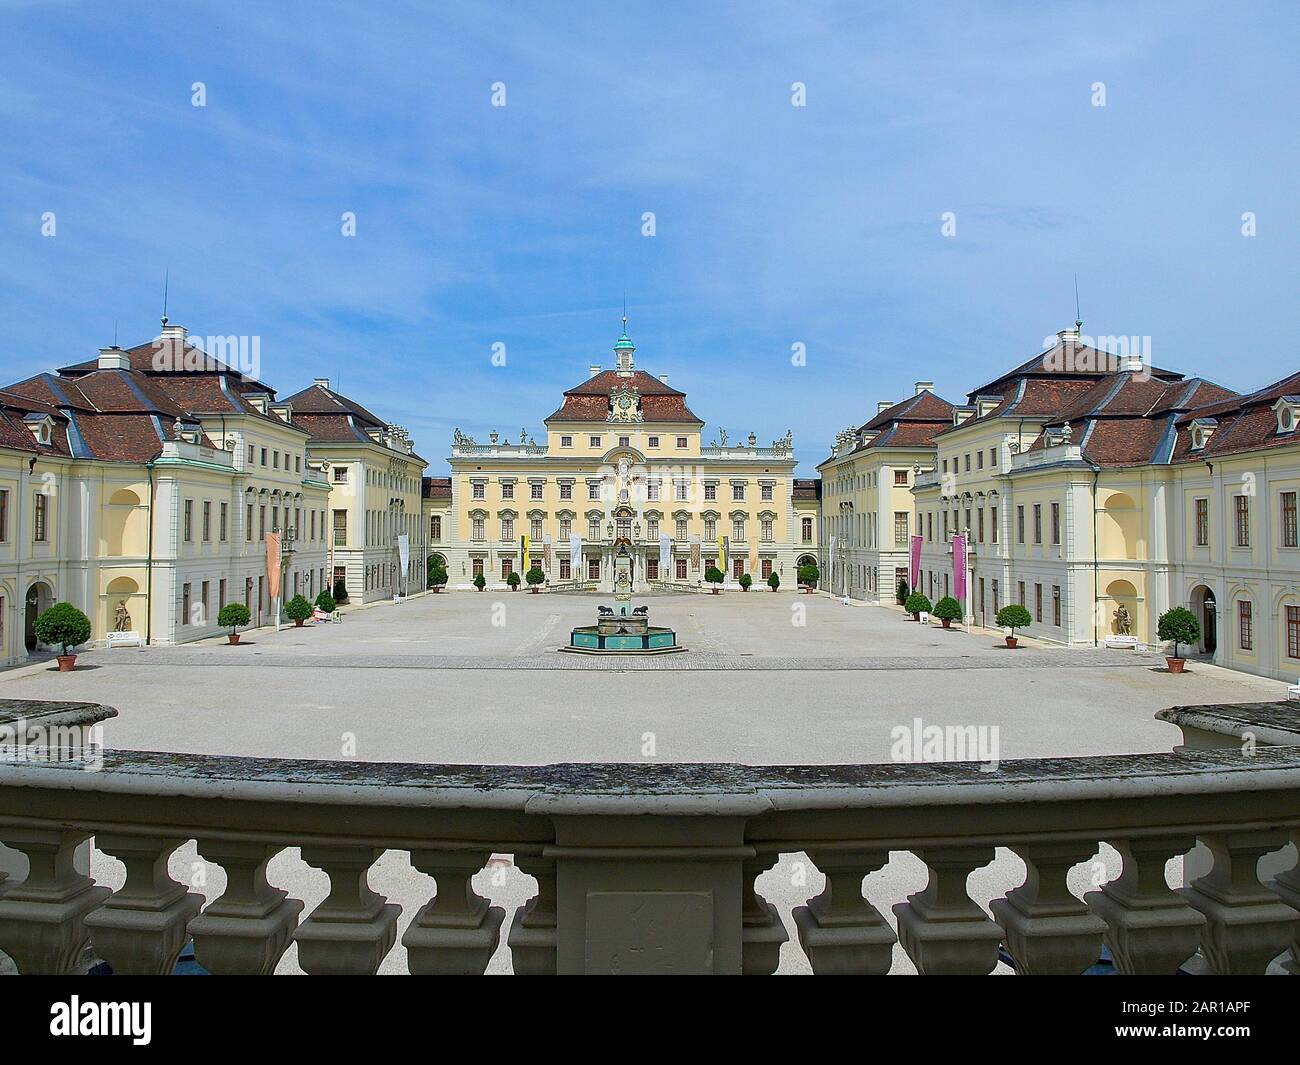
<point x="900" y="527"/>
<point x="1038" y="603"/>
<point x="653" y="442"/>
<point x="1020" y="591"/>
<point x="1056" y="605"/>
<point x="275" y="460"/>
<point x="710" y="492"/>
<point x="681" y="493"/>
<point x="507" y="567"/>
<point x="248" y="522"/>
<point x="1038" y="525"/>
<point x="594" y="441"/>
<point x="979" y="514"/>
<point x="806" y="529"/>
<point x="207" y="521"/>
<point x="478" y="490"/>
<point x="203" y="602"/>
<point x="1241" y="514"/>
<point x="41" y="518"/>
<point x="593" y="528"/>
<point x="187" y="521"/>
<point x="566" y="441"/>
<point x="765" y="568"/>
<point x="224" y="522"/>
<point x="1056" y="524"/>
<point x="710" y="529"/>
<point x="340" y="527"/>
<point x="478" y="531"/>
<point x="900" y="477"/>
<point x="263" y="456"/>
<point x="995" y="597"/>
<point x="738" y="529"/>
<point x="535" y="529"/>
<point x="593" y="569"/>
<point x="737" y="493"/>
<point x="652" y="569"/>
<point x="476" y="568"/>
<point x="681" y="441"/>
<point x="1293" y="632"/>
<point x="251" y="458"/>
<point x="507" y="528"/>
<point x="1245" y="625"/>
<point x="765" y="493"/>
<point x="566" y="570"/>
<point x="652" y="529"/>
<point x="1020" y="524"/>
<point x="680" y="529"/>
<point x="4" y="521"/>
<point x="737" y="568"/>
<point x="765" y="530"/>
<point x="535" y="490"/>
<point x="593" y="489"/>
<point x="566" y="489"/>
<point x="185" y="604"/>
<point x="1289" y="532"/>
<point x="1202" y="521"/>
<point x="507" y="489"/>
<point x="681" y="569"/>
<point x="624" y="441"/>
<point x="435" y="527"/>
<point x="993" y="524"/>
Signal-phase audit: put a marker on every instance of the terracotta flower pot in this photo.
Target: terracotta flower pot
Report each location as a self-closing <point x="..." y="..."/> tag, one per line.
<point x="1175" y="664"/>
<point x="947" y="623"/>
<point x="916" y="618"/>
<point x="534" y="589"/>
<point x="298" y="622"/>
<point x="66" y="662"/>
<point x="233" y="637"/>
<point x="1011" y="641"/>
<point x="715" y="589"/>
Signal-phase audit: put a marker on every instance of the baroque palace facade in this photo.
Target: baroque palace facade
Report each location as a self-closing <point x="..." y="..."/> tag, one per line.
<point x="141" y="486"/>
<point x="1086" y="483"/>
<point x="624" y="462"/>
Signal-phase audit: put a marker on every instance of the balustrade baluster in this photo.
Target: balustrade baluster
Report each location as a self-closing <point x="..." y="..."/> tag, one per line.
<point x="456" y="932"/>
<point x="1150" y="929"/>
<point x="354" y="927"/>
<point x="1046" y="929"/>
<point x="942" y="929"/>
<point x="1286" y="885"/>
<point x="246" y="931"/>
<point x="1247" y="925"/>
<point x="840" y="931"/>
<point x="42" y="918"/>
<point x="532" y="932"/>
<point x="141" y="929"/>
<point x="762" y="931"/>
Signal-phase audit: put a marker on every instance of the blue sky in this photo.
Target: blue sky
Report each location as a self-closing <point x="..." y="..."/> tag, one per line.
<point x="775" y="224"/>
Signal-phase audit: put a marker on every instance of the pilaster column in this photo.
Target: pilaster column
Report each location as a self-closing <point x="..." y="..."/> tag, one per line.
<point x="455" y="932"/>
<point x="762" y="931"/>
<point x="1047" y="930"/>
<point x="353" y="929"/>
<point x="532" y="932"/>
<point x="943" y="931"/>
<point x="840" y="931"/>
<point x="1247" y="925"/>
<point x="1150" y="929"/>
<point x="248" y="929"/>
<point x="42" y="919"/>
<point x="141" y="929"/>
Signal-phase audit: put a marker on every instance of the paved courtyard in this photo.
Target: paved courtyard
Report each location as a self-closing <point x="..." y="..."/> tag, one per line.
<point x="476" y="677"/>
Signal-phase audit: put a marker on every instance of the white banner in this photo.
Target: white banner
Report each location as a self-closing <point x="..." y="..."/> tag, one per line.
<point x="404" y="556"/>
<point x="665" y="553"/>
<point x="575" y="555"/>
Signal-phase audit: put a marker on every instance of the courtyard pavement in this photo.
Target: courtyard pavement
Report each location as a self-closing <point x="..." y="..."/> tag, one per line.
<point x="769" y="679"/>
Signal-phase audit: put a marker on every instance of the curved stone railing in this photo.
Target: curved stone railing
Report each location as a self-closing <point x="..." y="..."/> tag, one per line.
<point x="652" y="867"/>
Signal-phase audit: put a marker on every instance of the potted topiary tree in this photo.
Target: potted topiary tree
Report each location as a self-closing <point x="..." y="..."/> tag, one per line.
<point x="480" y="582"/>
<point x="901" y="592"/>
<point x="437" y="575"/>
<point x="746" y="582"/>
<point x="916" y="605"/>
<point x="1179" y="625"/>
<point x="63" y="625"/>
<point x="948" y="610"/>
<point x="774" y="581"/>
<point x="231" y="616"/>
<point x="535" y="578"/>
<point x="512" y="581"/>
<point x="298" y="610"/>
<point x="340" y="591"/>
<point x="1013" y="617"/>
<point x="715" y="577"/>
<point x="808" y="577"/>
<point x="325" y="602"/>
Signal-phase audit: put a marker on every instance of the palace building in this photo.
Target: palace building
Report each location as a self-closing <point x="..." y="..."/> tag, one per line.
<point x="624" y="462"/>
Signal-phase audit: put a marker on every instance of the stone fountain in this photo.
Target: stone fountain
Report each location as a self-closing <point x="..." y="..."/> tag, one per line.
<point x="622" y="629"/>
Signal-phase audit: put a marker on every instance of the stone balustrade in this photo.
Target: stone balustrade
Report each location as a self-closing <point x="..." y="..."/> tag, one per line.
<point x="653" y="867"/>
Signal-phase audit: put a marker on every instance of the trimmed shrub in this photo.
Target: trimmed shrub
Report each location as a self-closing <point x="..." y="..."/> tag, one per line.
<point x="948" y="609"/>
<point x="232" y="615"/>
<point x="535" y="576"/>
<point x="1179" y="625"/>
<point x="297" y="608"/>
<point x="340" y="591"/>
<point x="63" y="625"/>
<point x="325" y="603"/>
<point x="713" y="575"/>
<point x="809" y="575"/>
<point x="1013" y="616"/>
<point x="513" y="579"/>
<point x="774" y="581"/>
<point x="436" y="572"/>
<point x="746" y="581"/>
<point x="480" y="582"/>
<point x="917" y="604"/>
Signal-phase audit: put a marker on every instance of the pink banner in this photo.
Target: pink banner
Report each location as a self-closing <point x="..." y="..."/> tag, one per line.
<point x="959" y="569"/>
<point x="914" y="571"/>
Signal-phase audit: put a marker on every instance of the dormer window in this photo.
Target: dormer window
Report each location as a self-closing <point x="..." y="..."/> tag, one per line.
<point x="1287" y="410"/>
<point x="1202" y="430"/>
<point x="41" y="427"/>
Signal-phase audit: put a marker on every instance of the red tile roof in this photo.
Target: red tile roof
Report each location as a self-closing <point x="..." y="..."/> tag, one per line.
<point x="437" y="487"/>
<point x="589" y="401"/>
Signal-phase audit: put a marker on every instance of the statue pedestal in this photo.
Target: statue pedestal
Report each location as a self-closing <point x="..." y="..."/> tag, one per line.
<point x="1122" y="643"/>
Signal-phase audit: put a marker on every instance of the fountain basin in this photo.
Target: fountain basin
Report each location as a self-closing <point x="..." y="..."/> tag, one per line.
<point x="605" y="639"/>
